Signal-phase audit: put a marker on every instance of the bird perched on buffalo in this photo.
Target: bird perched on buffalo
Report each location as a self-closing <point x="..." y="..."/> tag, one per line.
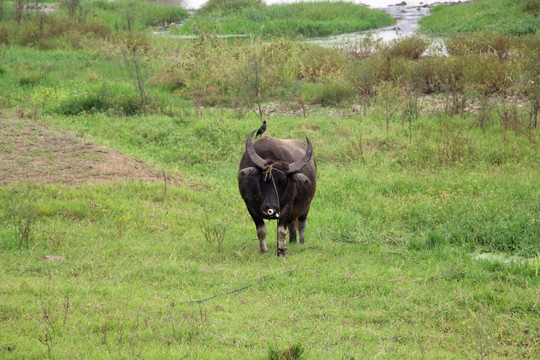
<point x="261" y="129"/>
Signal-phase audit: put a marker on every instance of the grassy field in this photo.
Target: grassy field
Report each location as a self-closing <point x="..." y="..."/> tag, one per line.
<point x="388" y="268"/>
<point x="123" y="235"/>
<point x="298" y="19"/>
<point x="502" y="16"/>
<point x="135" y="14"/>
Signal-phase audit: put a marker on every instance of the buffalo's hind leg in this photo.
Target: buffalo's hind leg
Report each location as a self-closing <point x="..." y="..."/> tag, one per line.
<point x="293" y="224"/>
<point x="302" y="222"/>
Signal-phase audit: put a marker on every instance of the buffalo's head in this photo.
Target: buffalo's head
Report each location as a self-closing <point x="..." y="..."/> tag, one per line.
<point x="275" y="179"/>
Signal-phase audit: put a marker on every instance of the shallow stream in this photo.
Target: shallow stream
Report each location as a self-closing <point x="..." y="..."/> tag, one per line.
<point x="407" y="13"/>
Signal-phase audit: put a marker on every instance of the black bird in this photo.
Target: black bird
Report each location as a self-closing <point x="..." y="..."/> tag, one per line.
<point x="261" y="129"/>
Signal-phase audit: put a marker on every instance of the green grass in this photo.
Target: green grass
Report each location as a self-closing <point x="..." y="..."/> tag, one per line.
<point x="71" y="25"/>
<point x="141" y="14"/>
<point x="388" y="269"/>
<point x="503" y="16"/>
<point x="304" y="19"/>
<point x="387" y="266"/>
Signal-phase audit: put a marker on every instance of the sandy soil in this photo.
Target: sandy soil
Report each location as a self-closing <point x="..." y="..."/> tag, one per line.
<point x="32" y="152"/>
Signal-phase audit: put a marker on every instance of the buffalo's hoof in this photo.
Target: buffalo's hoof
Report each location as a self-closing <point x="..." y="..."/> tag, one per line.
<point x="281" y="252"/>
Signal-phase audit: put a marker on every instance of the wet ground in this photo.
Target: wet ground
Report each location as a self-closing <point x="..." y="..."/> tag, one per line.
<point x="407" y="13"/>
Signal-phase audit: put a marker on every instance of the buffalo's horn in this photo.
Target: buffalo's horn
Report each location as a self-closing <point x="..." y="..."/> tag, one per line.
<point x="299" y="165"/>
<point x="257" y="160"/>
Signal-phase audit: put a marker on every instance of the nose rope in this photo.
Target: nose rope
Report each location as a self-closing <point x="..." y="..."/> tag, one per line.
<point x="268" y="174"/>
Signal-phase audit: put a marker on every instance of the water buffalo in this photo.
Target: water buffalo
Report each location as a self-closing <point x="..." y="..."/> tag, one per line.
<point x="277" y="180"/>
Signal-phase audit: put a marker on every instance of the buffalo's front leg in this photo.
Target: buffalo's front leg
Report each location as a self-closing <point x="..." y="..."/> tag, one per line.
<point x="282" y="236"/>
<point x="261" y="234"/>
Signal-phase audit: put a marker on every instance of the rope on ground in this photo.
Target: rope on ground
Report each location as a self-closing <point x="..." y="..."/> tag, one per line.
<point x="260" y="281"/>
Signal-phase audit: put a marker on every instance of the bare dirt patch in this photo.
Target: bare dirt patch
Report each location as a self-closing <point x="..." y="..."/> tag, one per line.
<point x="32" y="152"/>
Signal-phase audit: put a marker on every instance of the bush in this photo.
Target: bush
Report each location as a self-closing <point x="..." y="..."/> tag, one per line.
<point x="121" y="100"/>
<point x="284" y="59"/>
<point x="322" y="64"/>
<point x="329" y="92"/>
<point x="366" y="74"/>
<point x="211" y="72"/>
<point x="134" y="41"/>
<point x="479" y="43"/>
<point x="52" y="31"/>
<point x="431" y="74"/>
<point x="486" y="73"/>
<point x="293" y="352"/>
<point x="409" y="47"/>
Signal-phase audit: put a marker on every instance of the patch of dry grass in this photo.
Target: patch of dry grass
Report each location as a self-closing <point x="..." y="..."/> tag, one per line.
<point x="32" y="152"/>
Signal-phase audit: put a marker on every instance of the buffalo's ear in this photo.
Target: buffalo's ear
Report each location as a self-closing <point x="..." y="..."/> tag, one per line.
<point x="299" y="177"/>
<point x="249" y="171"/>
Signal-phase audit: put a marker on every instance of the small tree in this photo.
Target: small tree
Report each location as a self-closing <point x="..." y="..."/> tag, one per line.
<point x="19" y="9"/>
<point x="253" y="89"/>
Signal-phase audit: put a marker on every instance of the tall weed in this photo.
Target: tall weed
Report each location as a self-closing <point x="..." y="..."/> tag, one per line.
<point x="117" y="99"/>
<point x="20" y="214"/>
<point x="480" y="43"/>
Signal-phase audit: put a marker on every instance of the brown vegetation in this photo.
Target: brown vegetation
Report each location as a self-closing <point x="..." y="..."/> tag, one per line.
<point x="32" y="152"/>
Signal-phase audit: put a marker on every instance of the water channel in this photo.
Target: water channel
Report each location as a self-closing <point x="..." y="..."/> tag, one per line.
<point x="407" y="13"/>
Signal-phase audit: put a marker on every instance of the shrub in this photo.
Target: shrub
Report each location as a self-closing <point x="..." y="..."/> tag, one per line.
<point x="431" y="73"/>
<point x="329" y="92"/>
<point x="366" y="74"/>
<point x="486" y="73"/>
<point x="479" y="43"/>
<point x="400" y="70"/>
<point x="284" y="58"/>
<point x="409" y="47"/>
<point x="293" y="352"/>
<point x="321" y="64"/>
<point x="364" y="47"/>
<point x="210" y="72"/>
<point x="134" y="41"/>
<point x="51" y="31"/>
<point x="121" y="100"/>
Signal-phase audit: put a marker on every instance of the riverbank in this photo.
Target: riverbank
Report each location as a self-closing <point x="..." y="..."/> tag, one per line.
<point x="516" y="18"/>
<point x="306" y="19"/>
